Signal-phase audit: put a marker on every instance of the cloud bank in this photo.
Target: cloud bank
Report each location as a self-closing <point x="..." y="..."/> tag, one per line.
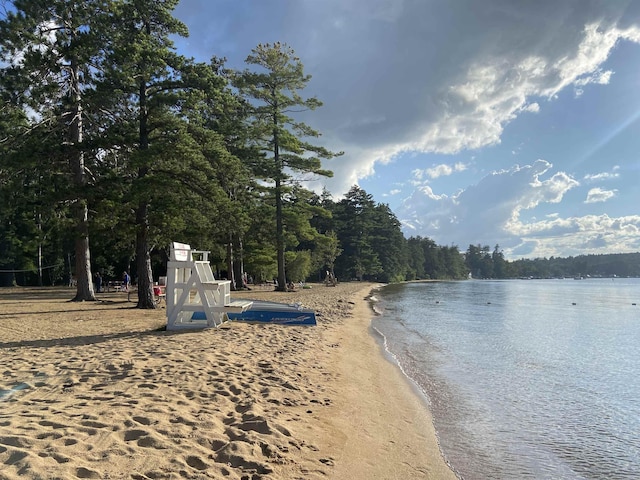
<point x="399" y="77"/>
<point x="442" y="77"/>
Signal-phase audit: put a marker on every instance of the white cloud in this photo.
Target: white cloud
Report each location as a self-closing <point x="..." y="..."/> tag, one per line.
<point x="418" y="174"/>
<point x="597" y="195"/>
<point x="491" y="212"/>
<point x="436" y="77"/>
<point x="488" y="211"/>
<point x="469" y="109"/>
<point x="597" y="234"/>
<point x="595" y="177"/>
<point x="441" y="170"/>
<point x="598" y="77"/>
<point x="495" y="90"/>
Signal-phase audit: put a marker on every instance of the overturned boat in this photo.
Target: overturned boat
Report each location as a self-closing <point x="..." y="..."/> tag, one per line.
<point x="270" y="313"/>
<point x="274" y="312"/>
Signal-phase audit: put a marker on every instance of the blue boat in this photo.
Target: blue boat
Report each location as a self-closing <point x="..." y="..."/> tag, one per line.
<point x="270" y="313"/>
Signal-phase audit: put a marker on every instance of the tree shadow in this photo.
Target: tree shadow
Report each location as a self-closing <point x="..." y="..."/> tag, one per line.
<point x="83" y="340"/>
<point x="66" y="310"/>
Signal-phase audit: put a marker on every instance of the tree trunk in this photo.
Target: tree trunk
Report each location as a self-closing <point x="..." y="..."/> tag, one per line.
<point x="143" y="260"/>
<point x="238" y="270"/>
<point x="282" y="277"/>
<point x="84" y="285"/>
<point x="40" y="283"/>
<point x="143" y="256"/>
<point x="39" y="249"/>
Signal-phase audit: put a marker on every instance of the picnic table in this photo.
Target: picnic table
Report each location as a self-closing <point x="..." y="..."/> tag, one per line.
<point x="114" y="285"/>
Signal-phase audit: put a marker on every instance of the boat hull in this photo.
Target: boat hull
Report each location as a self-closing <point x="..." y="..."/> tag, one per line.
<point x="270" y="313"/>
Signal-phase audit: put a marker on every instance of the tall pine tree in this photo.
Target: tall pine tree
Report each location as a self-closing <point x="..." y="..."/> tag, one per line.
<point x="273" y="92"/>
<point x="169" y="158"/>
<point x="50" y="48"/>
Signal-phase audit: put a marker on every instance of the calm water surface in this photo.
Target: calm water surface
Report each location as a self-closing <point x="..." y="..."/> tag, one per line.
<point x="525" y="379"/>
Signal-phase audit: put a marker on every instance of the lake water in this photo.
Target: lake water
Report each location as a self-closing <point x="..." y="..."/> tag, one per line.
<point x="525" y="379"/>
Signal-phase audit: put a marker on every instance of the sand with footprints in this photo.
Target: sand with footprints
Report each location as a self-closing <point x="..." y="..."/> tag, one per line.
<point x="99" y="390"/>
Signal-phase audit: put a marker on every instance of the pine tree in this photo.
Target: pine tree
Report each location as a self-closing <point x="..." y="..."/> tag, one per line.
<point x="169" y="158"/>
<point x="389" y="244"/>
<point x="355" y="219"/>
<point x="273" y="92"/>
<point x="50" y="48"/>
<point x="416" y="258"/>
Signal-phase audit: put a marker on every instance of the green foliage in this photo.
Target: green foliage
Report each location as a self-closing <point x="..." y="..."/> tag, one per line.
<point x="499" y="263"/>
<point x="261" y="262"/>
<point x="327" y="250"/>
<point x="354" y="218"/>
<point x="50" y="49"/>
<point x="298" y="265"/>
<point x="416" y="259"/>
<point x="158" y="111"/>
<point x="432" y="261"/>
<point x="479" y="261"/>
<point x="389" y="244"/>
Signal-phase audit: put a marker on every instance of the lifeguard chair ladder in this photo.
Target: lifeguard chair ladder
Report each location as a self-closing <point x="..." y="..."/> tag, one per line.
<point x="191" y="288"/>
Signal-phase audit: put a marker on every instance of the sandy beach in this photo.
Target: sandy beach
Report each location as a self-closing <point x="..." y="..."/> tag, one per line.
<point x="100" y="390"/>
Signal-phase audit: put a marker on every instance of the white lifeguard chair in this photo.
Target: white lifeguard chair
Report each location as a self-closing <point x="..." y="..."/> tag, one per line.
<point x="192" y="289"/>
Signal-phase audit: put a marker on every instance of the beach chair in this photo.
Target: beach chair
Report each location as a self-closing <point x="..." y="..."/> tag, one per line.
<point x="195" y="299"/>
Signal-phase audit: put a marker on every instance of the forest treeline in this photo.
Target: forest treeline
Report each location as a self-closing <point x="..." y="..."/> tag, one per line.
<point x="112" y="145"/>
<point x="482" y="262"/>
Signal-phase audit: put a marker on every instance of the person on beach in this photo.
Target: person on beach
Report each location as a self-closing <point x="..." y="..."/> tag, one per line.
<point x="98" y="282"/>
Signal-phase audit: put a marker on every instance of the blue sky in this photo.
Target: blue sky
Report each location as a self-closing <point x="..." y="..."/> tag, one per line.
<point x="493" y="122"/>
